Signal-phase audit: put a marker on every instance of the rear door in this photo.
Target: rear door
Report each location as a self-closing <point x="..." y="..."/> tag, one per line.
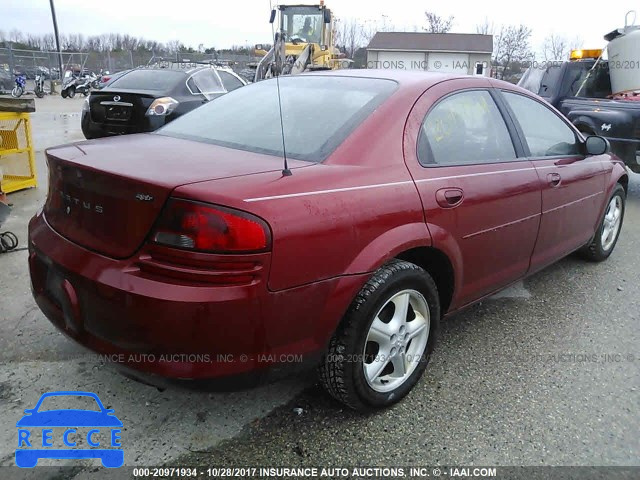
<point x="573" y="187"/>
<point x="481" y="197"/>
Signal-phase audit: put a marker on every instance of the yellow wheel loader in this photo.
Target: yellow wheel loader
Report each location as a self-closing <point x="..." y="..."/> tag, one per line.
<point x="303" y="42"/>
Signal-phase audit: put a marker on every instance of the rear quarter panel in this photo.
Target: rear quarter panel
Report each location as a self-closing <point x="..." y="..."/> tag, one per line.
<point x="366" y="216"/>
<point x="345" y="216"/>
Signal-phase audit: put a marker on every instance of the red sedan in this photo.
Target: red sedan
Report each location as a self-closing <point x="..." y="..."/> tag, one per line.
<point x="190" y="253"/>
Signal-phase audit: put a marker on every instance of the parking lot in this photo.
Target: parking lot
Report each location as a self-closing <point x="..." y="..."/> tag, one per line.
<point x="545" y="373"/>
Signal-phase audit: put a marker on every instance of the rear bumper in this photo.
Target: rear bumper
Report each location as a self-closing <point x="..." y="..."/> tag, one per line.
<point x="178" y="330"/>
<point x="92" y="129"/>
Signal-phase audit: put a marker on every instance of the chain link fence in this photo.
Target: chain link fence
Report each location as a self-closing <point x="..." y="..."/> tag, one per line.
<point x="32" y="62"/>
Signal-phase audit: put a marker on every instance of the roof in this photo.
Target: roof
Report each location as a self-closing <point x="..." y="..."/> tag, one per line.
<point x="432" y="42"/>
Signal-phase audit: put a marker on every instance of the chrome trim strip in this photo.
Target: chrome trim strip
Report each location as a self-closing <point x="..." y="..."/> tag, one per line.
<point x="493" y="229"/>
<point x="573" y="203"/>
<point x="111" y="103"/>
<point x="333" y="190"/>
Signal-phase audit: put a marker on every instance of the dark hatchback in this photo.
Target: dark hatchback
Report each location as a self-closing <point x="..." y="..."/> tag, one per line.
<point x="143" y="100"/>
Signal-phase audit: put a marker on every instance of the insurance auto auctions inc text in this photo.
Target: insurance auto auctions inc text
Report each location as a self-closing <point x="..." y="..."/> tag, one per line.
<point x="349" y="472"/>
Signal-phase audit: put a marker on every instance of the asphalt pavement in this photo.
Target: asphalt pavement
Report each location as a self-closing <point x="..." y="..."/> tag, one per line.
<point x="545" y="373"/>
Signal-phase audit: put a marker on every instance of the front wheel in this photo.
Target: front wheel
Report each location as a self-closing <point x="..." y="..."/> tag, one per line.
<point x="39" y="93"/>
<point x="385" y="340"/>
<point x="17" y="92"/>
<point x="71" y="92"/>
<point x="608" y="232"/>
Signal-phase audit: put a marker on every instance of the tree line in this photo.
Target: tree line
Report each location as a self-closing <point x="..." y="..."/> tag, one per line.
<point x="108" y="42"/>
<point x="512" y="47"/>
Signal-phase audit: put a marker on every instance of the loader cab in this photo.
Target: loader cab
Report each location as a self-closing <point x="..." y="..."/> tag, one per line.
<point x="305" y="23"/>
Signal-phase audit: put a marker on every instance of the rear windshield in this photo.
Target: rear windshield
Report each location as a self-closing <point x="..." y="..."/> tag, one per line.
<point x="159" y="80"/>
<point x="319" y="112"/>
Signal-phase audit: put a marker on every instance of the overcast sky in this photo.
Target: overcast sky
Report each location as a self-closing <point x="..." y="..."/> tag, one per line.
<point x="237" y="22"/>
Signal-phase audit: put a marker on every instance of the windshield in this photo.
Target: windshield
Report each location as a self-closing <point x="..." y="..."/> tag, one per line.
<point x="303" y="22"/>
<point x="319" y="112"/>
<point x="158" y="80"/>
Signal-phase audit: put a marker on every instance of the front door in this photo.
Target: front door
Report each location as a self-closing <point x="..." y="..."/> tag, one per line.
<point x="481" y="197"/>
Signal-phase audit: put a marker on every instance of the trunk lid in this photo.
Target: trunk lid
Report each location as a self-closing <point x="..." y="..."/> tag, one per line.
<point x="105" y="195"/>
<point x="120" y="108"/>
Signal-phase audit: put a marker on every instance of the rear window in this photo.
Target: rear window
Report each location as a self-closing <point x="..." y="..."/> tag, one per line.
<point x="319" y="112"/>
<point x="159" y="80"/>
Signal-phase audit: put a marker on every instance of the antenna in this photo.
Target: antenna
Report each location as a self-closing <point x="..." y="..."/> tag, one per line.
<point x="285" y="171"/>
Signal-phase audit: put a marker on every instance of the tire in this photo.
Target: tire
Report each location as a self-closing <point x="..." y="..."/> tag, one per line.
<point x="86" y="92"/>
<point x="64" y="93"/>
<point x="39" y="93"/>
<point x="603" y="243"/>
<point x="17" y="92"/>
<point x="354" y="348"/>
<point x="71" y="92"/>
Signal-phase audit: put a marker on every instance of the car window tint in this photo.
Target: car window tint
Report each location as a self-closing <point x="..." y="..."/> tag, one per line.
<point x="319" y="112"/>
<point x="230" y="82"/>
<point x="159" y="80"/>
<point x="546" y="134"/>
<point x="208" y="82"/>
<point x="589" y="82"/>
<point x="191" y="85"/>
<point x="466" y="127"/>
<point x="550" y="81"/>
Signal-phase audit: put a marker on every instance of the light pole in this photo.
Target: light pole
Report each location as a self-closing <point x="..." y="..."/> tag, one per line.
<point x="57" y="37"/>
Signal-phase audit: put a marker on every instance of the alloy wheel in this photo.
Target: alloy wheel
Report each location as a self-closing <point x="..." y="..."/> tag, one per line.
<point x="611" y="223"/>
<point x="396" y="340"/>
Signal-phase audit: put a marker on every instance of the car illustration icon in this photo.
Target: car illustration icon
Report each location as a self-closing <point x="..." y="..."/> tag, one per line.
<point x="100" y="428"/>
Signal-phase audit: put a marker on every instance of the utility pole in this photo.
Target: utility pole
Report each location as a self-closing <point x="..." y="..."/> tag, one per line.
<point x="57" y="36"/>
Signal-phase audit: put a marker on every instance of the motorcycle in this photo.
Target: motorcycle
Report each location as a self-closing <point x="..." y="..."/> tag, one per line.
<point x="95" y="84"/>
<point x="75" y="85"/>
<point x="39" y="88"/>
<point x="21" y="84"/>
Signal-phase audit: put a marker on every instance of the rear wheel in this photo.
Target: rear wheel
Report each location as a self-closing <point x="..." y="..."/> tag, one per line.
<point x="607" y="234"/>
<point x="383" y="344"/>
<point x="71" y="92"/>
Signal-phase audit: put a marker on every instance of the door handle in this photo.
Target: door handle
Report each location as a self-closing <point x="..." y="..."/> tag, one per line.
<point x="554" y="179"/>
<point x="449" y="197"/>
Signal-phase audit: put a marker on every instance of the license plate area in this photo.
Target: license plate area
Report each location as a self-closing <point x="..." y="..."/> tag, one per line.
<point x="118" y="114"/>
<point x="117" y="111"/>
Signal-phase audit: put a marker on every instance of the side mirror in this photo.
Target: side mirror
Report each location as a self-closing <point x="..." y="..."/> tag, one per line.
<point x="327" y="15"/>
<point x="596" y="145"/>
<point x="272" y="18"/>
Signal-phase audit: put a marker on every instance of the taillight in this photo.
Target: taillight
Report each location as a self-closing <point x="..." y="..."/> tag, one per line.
<point x="210" y="228"/>
<point x="161" y="106"/>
